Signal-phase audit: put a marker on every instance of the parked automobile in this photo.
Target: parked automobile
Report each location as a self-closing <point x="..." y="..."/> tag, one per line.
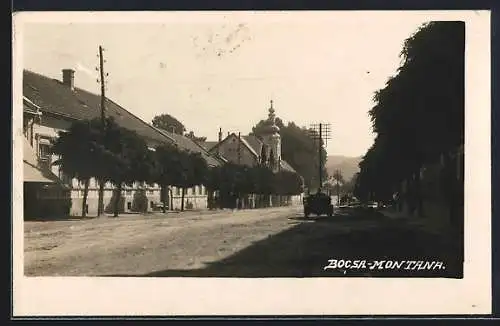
<point x="372" y="204"/>
<point x="318" y="203"/>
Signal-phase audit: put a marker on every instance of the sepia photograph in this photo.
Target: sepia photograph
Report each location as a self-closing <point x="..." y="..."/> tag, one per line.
<point x="246" y="145"/>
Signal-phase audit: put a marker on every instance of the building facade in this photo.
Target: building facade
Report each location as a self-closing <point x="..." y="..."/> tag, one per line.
<point x="252" y="150"/>
<point x="51" y="106"/>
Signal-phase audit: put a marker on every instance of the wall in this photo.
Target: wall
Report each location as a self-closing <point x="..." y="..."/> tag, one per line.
<point x="152" y="193"/>
<point x="49" y="127"/>
<point x="229" y="150"/>
<point x="28" y="125"/>
<point x="197" y="196"/>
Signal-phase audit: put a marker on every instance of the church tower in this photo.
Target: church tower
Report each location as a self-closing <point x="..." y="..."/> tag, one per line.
<point x="272" y="140"/>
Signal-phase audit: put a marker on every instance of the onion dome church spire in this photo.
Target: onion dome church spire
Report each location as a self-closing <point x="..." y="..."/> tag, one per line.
<point x="271" y="121"/>
<point x="272" y="140"/>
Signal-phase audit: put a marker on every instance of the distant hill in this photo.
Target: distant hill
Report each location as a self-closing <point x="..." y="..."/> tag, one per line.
<point x="348" y="166"/>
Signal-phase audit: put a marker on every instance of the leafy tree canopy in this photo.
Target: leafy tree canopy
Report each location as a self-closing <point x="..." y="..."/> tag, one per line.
<point x="169" y="123"/>
<point x="419" y="114"/>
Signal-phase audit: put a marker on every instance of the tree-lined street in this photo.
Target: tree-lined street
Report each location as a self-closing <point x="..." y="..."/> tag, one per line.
<point x="408" y="193"/>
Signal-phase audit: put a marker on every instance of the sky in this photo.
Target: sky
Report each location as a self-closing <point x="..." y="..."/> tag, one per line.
<point x="220" y="70"/>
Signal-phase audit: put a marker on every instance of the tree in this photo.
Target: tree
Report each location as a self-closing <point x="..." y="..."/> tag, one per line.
<point x="99" y="134"/>
<point x="169" y="123"/>
<point x="287" y="183"/>
<point x="188" y="170"/>
<point x="418" y="116"/>
<point x="272" y="159"/>
<point x="76" y="148"/>
<point x="298" y="149"/>
<point x="127" y="160"/>
<point x="165" y="156"/>
<point x="212" y="184"/>
<point x="263" y="156"/>
<point x="263" y="178"/>
<point x="348" y="186"/>
<point x="338" y="178"/>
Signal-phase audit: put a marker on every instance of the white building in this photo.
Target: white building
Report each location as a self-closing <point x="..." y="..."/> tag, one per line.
<point x="51" y="106"/>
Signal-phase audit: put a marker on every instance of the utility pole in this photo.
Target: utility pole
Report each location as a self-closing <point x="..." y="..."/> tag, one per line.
<point x="100" y="200"/>
<point x="103" y="87"/>
<point x="239" y="148"/>
<point x="321" y="133"/>
<point x="319" y="156"/>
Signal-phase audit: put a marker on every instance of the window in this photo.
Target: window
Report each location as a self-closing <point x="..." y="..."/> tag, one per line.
<point x="151" y="191"/>
<point x="44" y="151"/>
<point x="177" y="191"/>
<point x="200" y="190"/>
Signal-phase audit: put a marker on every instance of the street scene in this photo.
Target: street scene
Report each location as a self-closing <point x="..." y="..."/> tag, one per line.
<point x="218" y="150"/>
<point x="276" y="242"/>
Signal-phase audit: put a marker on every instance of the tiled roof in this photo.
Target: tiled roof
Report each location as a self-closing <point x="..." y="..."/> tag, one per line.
<point x="54" y="97"/>
<point x="247" y="144"/>
<point x="190" y="145"/>
<point x="243" y="141"/>
<point x="254" y="143"/>
<point x="286" y="166"/>
<point x="208" y="144"/>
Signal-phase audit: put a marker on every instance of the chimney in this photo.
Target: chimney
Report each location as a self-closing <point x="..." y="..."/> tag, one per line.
<point x="69" y="78"/>
<point x="220" y="135"/>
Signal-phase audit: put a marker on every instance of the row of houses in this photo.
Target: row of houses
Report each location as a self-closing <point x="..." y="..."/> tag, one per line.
<point x="51" y="105"/>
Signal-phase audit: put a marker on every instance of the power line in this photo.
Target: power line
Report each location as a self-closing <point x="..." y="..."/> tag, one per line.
<point x="320" y="132"/>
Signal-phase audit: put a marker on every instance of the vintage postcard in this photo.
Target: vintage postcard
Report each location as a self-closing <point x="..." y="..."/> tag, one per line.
<point x="251" y="163"/>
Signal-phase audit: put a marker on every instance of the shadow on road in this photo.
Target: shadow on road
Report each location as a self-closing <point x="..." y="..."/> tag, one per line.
<point x="304" y="251"/>
<point x="58" y="218"/>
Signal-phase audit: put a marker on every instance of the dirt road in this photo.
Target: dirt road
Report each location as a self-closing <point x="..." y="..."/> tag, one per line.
<point x="275" y="242"/>
<point x="135" y="245"/>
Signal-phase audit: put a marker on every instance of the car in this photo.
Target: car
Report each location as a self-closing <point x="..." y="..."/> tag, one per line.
<point x="319" y="204"/>
<point x="354" y="204"/>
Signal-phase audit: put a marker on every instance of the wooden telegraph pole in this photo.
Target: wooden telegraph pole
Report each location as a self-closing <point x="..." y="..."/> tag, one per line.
<point x="321" y="133"/>
<point x="103" y="86"/>
<point x="100" y="201"/>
